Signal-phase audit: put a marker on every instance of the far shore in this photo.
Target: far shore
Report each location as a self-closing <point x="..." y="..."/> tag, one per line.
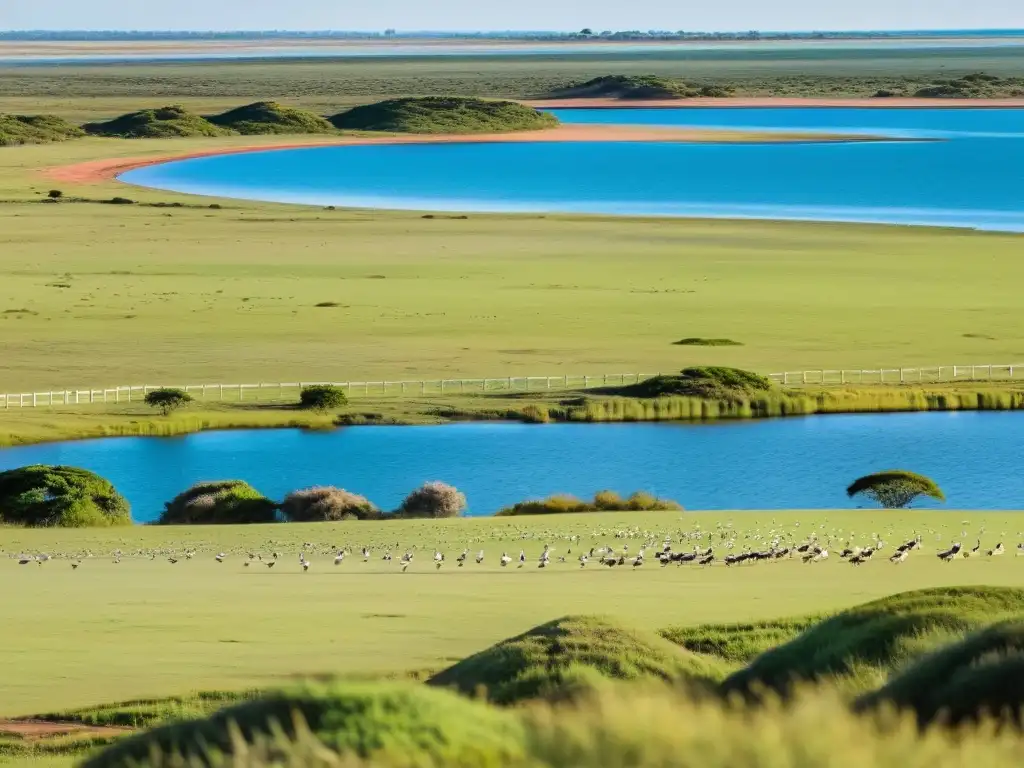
<point x="771" y="101"/>
<point x="104" y="170"/>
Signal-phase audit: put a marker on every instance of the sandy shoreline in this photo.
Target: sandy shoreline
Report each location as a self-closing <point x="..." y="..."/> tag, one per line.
<point x="770" y="101"/>
<point x="97" y="171"/>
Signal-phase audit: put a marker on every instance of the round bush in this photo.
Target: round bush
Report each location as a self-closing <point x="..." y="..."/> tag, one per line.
<point x="434" y="500"/>
<point x="327" y="504"/>
<point x="415" y="725"/>
<point x="57" y="496"/>
<point x="322" y="397"/>
<point x="219" y="503"/>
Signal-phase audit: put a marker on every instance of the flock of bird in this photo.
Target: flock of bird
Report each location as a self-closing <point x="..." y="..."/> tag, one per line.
<point x="607" y="549"/>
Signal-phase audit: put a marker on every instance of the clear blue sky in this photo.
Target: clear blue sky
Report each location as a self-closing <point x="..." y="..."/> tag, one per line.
<point x="514" y="14"/>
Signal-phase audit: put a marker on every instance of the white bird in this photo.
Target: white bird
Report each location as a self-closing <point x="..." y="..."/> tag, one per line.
<point x="583" y="560"/>
<point x="305" y="565"/>
<point x="899" y="556"/>
<point x="220" y="558"/>
<point x="366" y="554"/>
<point x="461" y="559"/>
<point x="479" y="557"/>
<point x="505" y="559"/>
<point x="823" y="555"/>
<point x="522" y="558"/>
<point x="339" y="558"/>
<point x="998" y="550"/>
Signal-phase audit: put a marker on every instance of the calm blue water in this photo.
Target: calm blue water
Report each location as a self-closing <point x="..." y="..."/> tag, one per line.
<point x="771" y="464"/>
<point x="967" y="174"/>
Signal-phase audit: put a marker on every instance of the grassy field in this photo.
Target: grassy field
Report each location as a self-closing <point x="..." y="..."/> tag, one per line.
<point x="145" y="627"/>
<point x="84" y="92"/>
<point x="99" y="295"/>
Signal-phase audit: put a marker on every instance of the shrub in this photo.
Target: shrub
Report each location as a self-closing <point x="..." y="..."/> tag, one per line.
<point x="269" y="117"/>
<point x="35" y="129"/>
<point x="168" y="400"/>
<point x="604" y="501"/>
<point x="570" y="655"/>
<point x="444" y="114"/>
<point x="164" y="122"/>
<point x="55" y="194"/>
<point x="322" y="398"/>
<point x="413" y="725"/>
<point x="58" y="496"/>
<point x="435" y="500"/>
<point x="895" y="489"/>
<point x="218" y="503"/>
<point x="709" y="382"/>
<point x="327" y="504"/>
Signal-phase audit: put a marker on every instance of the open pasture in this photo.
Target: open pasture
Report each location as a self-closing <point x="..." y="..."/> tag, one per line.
<point x="146" y="627"/>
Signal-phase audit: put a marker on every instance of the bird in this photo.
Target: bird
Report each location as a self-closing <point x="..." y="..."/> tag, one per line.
<point x="706" y="560"/>
<point x="638" y="561"/>
<point x="25" y="561"/>
<point x="505" y="559"/>
<point x="172" y="560"/>
<point x="405" y="565"/>
<point x="950" y="554"/>
<point x="522" y="558"/>
<point x="305" y="565"/>
<point x="271" y="563"/>
<point x="899" y="556"/>
<point x="246" y="563"/>
<point x="366" y="554"/>
<point x="461" y="559"/>
<point x="583" y="560"/>
<point x="220" y="558"/>
<point x="974" y="550"/>
<point x="479" y="557"/>
<point x="997" y="551"/>
<point x="339" y="558"/>
<point x="74" y="566"/>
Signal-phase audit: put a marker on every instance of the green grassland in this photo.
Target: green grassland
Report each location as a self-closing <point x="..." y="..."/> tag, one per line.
<point x="141" y="294"/>
<point x="88" y="92"/>
<point x="144" y="627"/>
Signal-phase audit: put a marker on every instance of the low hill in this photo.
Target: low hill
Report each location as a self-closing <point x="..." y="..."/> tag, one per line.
<point x="864" y="645"/>
<point x="572" y="655"/>
<point x="626" y="87"/>
<point x="711" y="382"/>
<point x="269" y="117"/>
<point x="981" y="676"/>
<point x="161" y="123"/>
<point x="35" y="129"/>
<point x="444" y="114"/>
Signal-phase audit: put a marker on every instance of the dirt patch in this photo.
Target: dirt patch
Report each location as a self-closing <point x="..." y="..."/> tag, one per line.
<point x="37" y="730"/>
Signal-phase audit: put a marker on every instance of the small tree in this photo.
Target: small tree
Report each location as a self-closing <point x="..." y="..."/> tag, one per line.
<point x="327" y="504"/>
<point x="434" y="500"/>
<point x="322" y="397"/>
<point x="896" y="488"/>
<point x="55" y="194"/>
<point x="168" y="400"/>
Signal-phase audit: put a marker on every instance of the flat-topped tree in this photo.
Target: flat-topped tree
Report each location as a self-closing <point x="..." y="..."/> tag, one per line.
<point x="444" y="114"/>
<point x="60" y="497"/>
<point x="895" y="488"/>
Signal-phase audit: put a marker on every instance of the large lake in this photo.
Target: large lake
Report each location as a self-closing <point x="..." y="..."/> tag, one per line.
<point x="790" y="463"/>
<point x="963" y="169"/>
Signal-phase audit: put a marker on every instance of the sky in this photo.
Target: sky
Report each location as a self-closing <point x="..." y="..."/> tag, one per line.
<point x="481" y="15"/>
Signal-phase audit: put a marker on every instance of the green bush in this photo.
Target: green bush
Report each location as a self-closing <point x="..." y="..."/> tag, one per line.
<point x="433" y="500"/>
<point x="219" y="503"/>
<point x="604" y="501"/>
<point x="895" y="488"/>
<point x="162" y="123"/>
<point x="443" y="114"/>
<point x="566" y="657"/>
<point x="58" y="496"/>
<point x="168" y="400"/>
<point x="269" y="117"/>
<point x="709" y="382"/>
<point x="379" y="722"/>
<point x="623" y="87"/>
<point x="327" y="504"/>
<point x="35" y="129"/>
<point x="322" y="398"/>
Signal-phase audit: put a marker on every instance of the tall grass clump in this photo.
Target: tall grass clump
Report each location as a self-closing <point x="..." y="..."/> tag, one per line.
<point x="45" y="496"/>
<point x="384" y="724"/>
<point x="603" y="501"/>
<point x="565" y="657"/>
<point x="222" y="502"/>
<point x="327" y="504"/>
<point x="860" y="648"/>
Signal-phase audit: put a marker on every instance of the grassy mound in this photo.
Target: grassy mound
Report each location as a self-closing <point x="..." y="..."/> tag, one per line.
<point x="977" y="85"/>
<point x="62" y="497"/>
<point x="604" y="501"/>
<point x="35" y="129"/>
<point x="414" y="725"/>
<point x="637" y="87"/>
<point x="162" y="123"/>
<point x="981" y="676"/>
<point x="697" y="341"/>
<point x="222" y="502"/>
<point x="571" y="655"/>
<point x="863" y="645"/>
<point x="269" y="117"/>
<point x="739" y="643"/>
<point x="711" y="382"/>
<point x="444" y="114"/>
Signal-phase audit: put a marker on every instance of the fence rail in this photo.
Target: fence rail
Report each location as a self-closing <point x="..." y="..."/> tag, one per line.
<point x="290" y="390"/>
<point x="930" y="374"/>
<point x="511" y="384"/>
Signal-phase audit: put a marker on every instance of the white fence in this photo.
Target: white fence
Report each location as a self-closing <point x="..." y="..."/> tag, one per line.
<point x="271" y="392"/>
<point x="932" y="374"/>
<point x="289" y="391"/>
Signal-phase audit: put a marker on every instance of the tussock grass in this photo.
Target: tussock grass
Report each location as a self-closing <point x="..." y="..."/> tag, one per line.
<point x="861" y="647"/>
<point x="603" y="501"/>
<point x="377" y="721"/>
<point x="739" y="643"/>
<point x="980" y="677"/>
<point x="573" y="654"/>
